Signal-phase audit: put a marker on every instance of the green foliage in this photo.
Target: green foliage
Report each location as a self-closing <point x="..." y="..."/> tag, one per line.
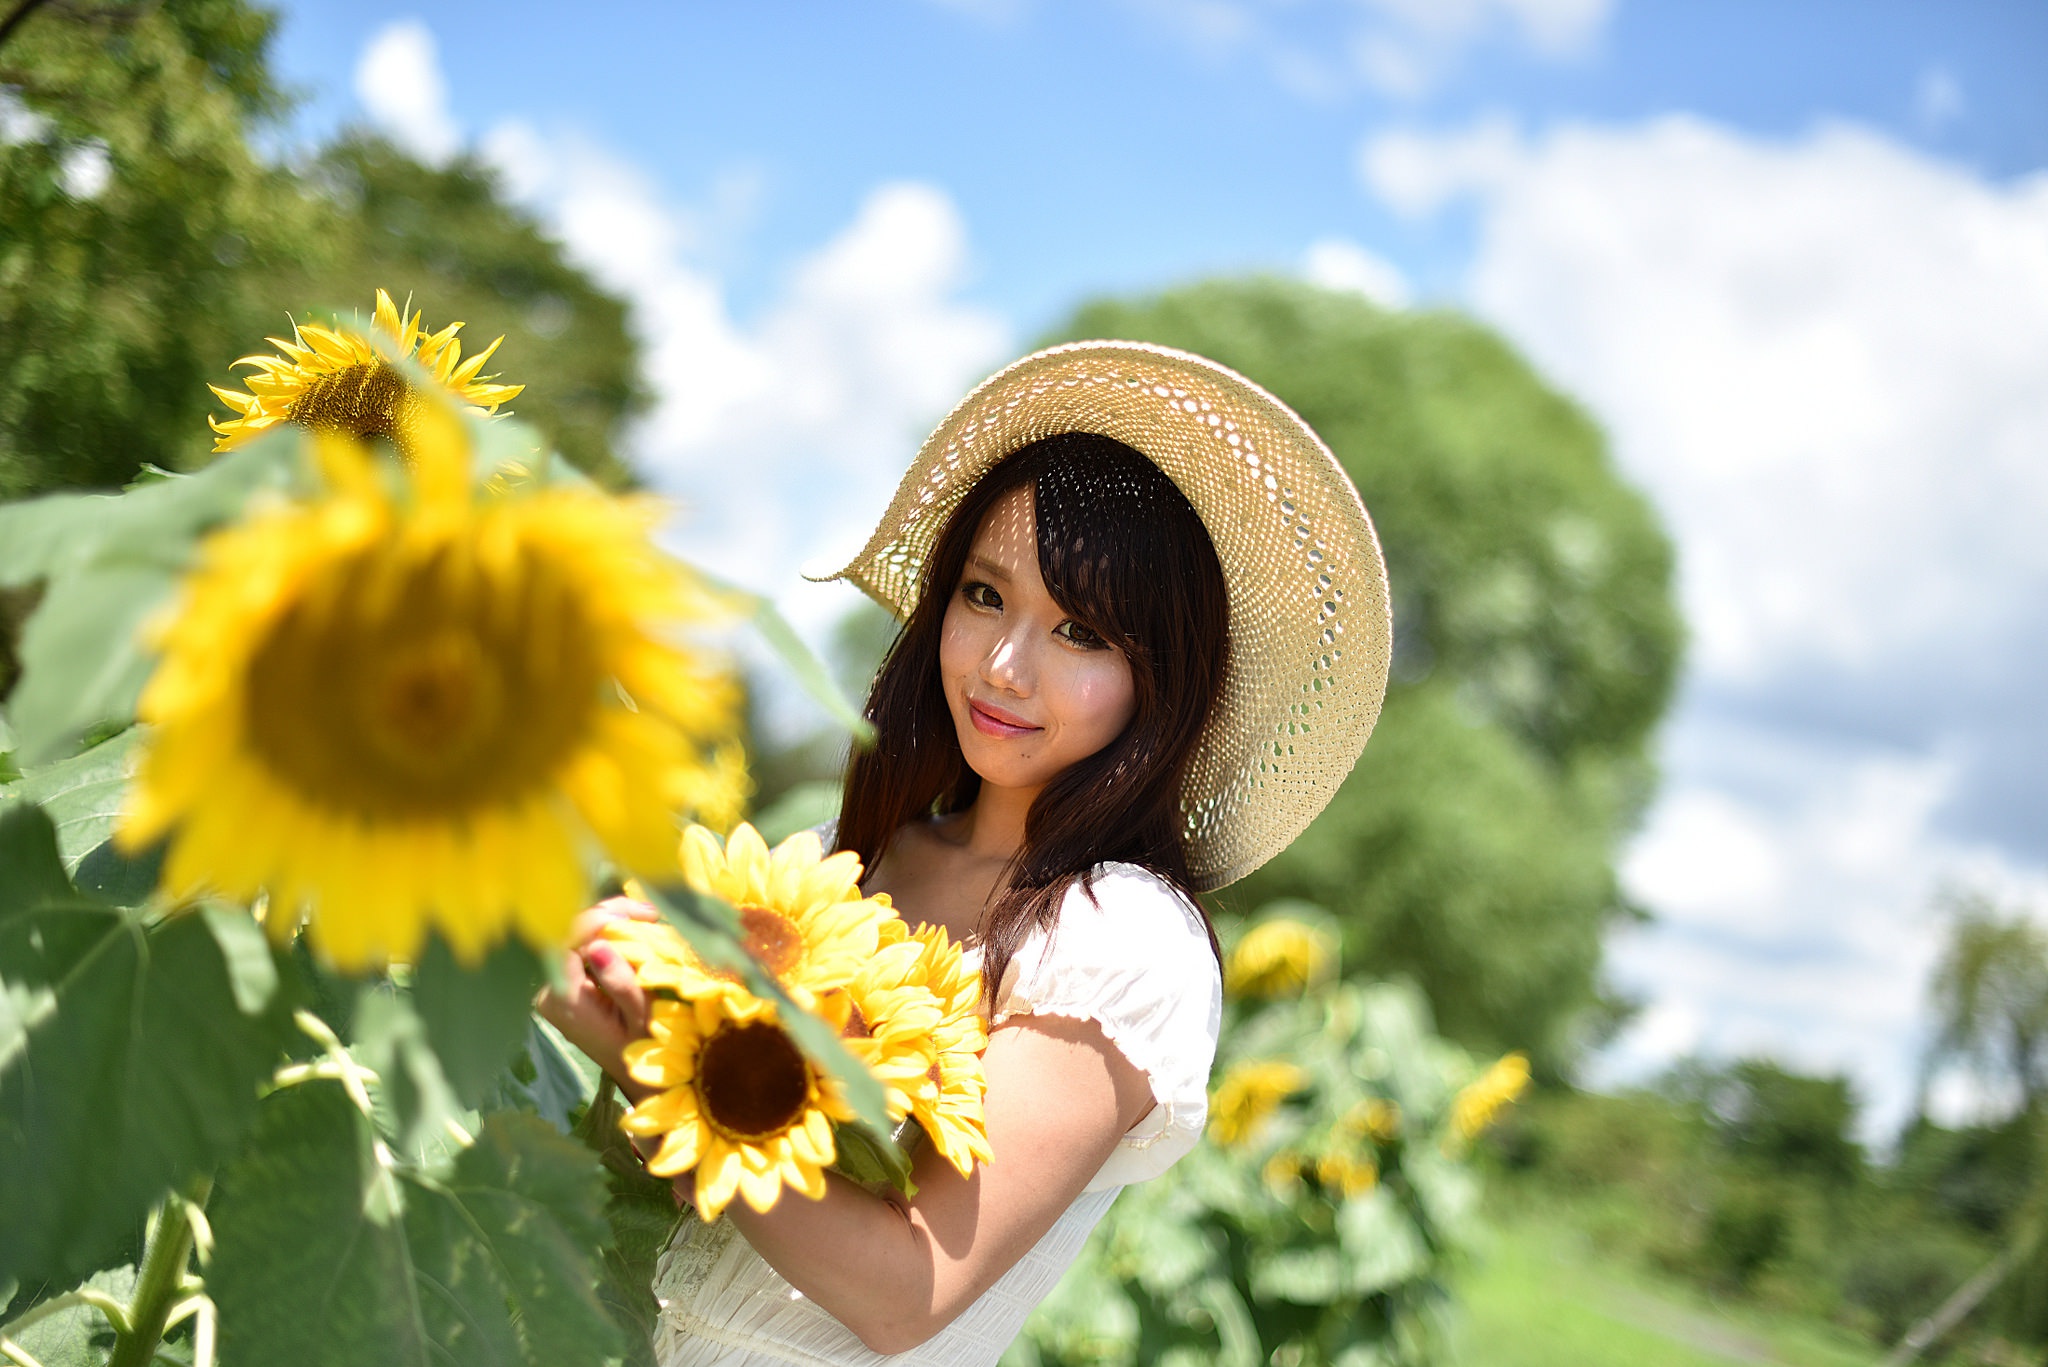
<point x="1313" y="1239"/>
<point x="447" y="238"/>
<point x="128" y="1057"/>
<point x="1536" y="641"/>
<point x="119" y="305"/>
<point x="493" y="1263"/>
<point x="1990" y="997"/>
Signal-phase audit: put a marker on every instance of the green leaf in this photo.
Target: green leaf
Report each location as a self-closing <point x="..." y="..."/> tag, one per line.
<point x="125" y="1062"/>
<point x="78" y="1335"/>
<point x="551" y="1079"/>
<point x="806" y="668"/>
<point x="805" y="805"/>
<point x="1382" y="1247"/>
<point x="415" y="1102"/>
<point x="323" y="1255"/>
<point x="709" y="925"/>
<point x="642" y="1213"/>
<point x="82" y="794"/>
<point x="250" y="960"/>
<point x="873" y="1163"/>
<point x="475" y="1016"/>
<point x="82" y="654"/>
<point x="1301" y="1276"/>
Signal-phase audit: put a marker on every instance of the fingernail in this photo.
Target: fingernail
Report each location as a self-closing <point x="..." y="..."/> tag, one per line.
<point x="600" y="956"/>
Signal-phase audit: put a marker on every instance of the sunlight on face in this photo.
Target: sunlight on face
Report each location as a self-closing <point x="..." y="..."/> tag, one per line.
<point x="1031" y="690"/>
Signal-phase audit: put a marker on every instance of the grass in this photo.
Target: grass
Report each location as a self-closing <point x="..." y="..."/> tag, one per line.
<point x="1540" y="1295"/>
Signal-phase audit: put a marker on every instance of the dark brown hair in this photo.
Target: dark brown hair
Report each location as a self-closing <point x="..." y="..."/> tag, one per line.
<point x="1124" y="553"/>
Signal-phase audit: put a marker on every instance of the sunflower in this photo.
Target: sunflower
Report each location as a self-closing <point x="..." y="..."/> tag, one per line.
<point x="890" y="1024"/>
<point x="396" y="710"/>
<point x="1483" y="1099"/>
<point x="331" y="379"/>
<point x="801" y="916"/>
<point x="737" y="1100"/>
<point x="1347" y="1172"/>
<point x="951" y="1111"/>
<point x="1249" y="1093"/>
<point x="1276" y="958"/>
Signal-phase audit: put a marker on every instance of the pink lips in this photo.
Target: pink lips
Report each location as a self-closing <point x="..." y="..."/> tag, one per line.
<point x="994" y="721"/>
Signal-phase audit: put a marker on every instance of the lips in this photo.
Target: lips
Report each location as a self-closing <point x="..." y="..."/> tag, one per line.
<point x="991" y="720"/>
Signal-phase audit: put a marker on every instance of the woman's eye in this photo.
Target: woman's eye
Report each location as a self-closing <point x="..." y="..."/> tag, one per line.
<point x="1079" y="635"/>
<point x="981" y="595"/>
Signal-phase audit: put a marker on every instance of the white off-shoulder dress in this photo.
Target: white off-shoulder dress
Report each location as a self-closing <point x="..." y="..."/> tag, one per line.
<point x="1135" y="959"/>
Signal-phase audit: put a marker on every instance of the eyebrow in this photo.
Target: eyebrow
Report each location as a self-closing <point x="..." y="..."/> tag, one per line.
<point x="988" y="567"/>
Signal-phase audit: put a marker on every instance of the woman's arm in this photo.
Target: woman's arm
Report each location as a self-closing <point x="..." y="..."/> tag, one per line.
<point x="896" y="1272"/>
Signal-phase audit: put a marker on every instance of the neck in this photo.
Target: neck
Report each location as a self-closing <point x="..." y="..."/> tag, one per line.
<point x="993" y="828"/>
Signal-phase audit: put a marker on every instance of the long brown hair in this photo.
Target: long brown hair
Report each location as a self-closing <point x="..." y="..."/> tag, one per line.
<point x="1124" y="553"/>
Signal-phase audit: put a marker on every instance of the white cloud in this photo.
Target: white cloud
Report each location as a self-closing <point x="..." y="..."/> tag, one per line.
<point x="1336" y="264"/>
<point x="399" y="81"/>
<point x="1827" y="362"/>
<point x="1399" y="48"/>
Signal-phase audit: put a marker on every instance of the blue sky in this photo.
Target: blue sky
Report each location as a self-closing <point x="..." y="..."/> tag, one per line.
<point x="1793" y="256"/>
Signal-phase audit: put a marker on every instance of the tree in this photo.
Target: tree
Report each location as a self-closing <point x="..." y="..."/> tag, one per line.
<point x="144" y="245"/>
<point x="1990" y="998"/>
<point x="1536" y="643"/>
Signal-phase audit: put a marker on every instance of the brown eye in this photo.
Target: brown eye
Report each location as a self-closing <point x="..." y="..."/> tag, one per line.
<point x="1079" y="635"/>
<point x="981" y="595"/>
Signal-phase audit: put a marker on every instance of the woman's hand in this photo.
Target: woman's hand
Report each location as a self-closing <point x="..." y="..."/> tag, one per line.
<point x="602" y="1009"/>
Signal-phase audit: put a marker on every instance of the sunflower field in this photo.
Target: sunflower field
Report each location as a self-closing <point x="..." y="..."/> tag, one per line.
<point x="309" y="761"/>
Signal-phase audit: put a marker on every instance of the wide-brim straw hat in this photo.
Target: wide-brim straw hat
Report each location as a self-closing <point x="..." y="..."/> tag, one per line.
<point x="1310" y="629"/>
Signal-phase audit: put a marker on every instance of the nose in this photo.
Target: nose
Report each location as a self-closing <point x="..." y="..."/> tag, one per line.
<point x="1008" y="664"/>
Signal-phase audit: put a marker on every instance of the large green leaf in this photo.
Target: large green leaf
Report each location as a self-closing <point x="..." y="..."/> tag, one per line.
<point x="77" y="1335"/>
<point x="82" y="794"/>
<point x="475" y="1016"/>
<point x="414" y="1101"/>
<point x="325" y="1255"/>
<point x="125" y="1062"/>
<point x="642" y="1212"/>
<point x="550" y="1078"/>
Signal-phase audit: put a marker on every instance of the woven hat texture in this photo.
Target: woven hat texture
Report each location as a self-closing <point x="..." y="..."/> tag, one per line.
<point x="1310" y="629"/>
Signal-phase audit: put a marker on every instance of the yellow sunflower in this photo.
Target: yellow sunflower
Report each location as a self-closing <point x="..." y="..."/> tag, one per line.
<point x="951" y="1111"/>
<point x="801" y="916"/>
<point x="737" y="1100"/>
<point x="400" y="710"/>
<point x="331" y="379"/>
<point x="889" y="1028"/>
<point x="1275" y="958"/>
<point x="1249" y="1093"/>
<point x="1486" y="1096"/>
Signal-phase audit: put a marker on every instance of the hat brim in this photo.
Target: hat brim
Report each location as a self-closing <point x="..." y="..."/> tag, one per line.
<point x="1311" y="632"/>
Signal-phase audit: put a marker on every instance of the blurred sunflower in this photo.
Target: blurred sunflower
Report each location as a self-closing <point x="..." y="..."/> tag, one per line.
<point x="1249" y="1093"/>
<point x="1347" y="1172"/>
<point x="951" y="1111"/>
<point x="802" y="917"/>
<point x="737" y="1101"/>
<point x="331" y="379"/>
<point x="1276" y="958"/>
<point x="400" y="710"/>
<point x="1486" y="1096"/>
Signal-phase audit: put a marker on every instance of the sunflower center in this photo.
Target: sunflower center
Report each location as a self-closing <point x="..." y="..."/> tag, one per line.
<point x="367" y="400"/>
<point x="753" y="1081"/>
<point x="771" y="938"/>
<point x="856" y="1025"/>
<point x="424" y="685"/>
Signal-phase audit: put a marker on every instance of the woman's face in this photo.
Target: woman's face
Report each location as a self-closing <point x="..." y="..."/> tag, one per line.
<point x="1031" y="690"/>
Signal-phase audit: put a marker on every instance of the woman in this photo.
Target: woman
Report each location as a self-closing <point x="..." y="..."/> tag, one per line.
<point x="1146" y="636"/>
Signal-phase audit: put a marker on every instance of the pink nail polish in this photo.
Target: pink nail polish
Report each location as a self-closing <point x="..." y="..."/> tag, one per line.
<point x="600" y="956"/>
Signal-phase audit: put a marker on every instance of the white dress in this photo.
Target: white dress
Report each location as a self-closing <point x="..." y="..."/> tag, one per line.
<point x="1136" y="960"/>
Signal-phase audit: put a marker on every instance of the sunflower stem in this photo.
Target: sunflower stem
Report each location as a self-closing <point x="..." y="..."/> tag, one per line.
<point x="162" y="1283"/>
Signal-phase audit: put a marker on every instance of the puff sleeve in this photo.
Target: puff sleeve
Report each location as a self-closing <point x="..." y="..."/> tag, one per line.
<point x="1134" y="957"/>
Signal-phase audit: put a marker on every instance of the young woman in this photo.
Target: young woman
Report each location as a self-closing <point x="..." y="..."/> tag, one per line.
<point x="1145" y="636"/>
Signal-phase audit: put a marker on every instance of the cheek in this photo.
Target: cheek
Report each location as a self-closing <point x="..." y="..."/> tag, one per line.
<point x="1105" y="697"/>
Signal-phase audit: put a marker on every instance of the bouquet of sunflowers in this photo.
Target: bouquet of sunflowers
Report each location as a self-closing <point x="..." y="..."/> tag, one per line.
<point x="736" y="1098"/>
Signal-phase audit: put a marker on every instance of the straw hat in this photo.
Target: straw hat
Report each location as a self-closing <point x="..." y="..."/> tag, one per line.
<point x="1310" y="631"/>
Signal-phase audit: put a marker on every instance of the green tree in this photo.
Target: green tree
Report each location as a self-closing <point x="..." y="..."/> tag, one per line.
<point x="1536" y="643"/>
<point x="134" y="219"/>
<point x="144" y="245"/>
<point x="1990" y="998"/>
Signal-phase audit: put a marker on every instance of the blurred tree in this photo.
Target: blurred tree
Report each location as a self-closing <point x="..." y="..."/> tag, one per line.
<point x="1990" y="998"/>
<point x="1536" y="642"/>
<point x="1779" y="1121"/>
<point x="133" y="217"/>
<point x="144" y="246"/>
<point x="447" y="238"/>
